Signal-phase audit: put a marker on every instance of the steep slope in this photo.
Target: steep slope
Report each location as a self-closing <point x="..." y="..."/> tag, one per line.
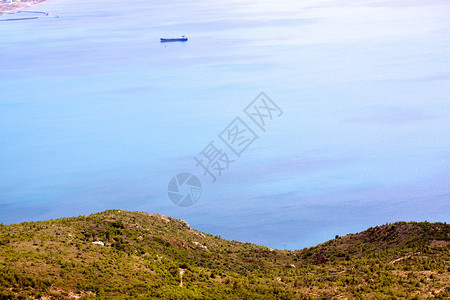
<point x="122" y="254"/>
<point x="384" y="242"/>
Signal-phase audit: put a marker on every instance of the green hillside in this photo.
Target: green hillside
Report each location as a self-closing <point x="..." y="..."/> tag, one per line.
<point x="122" y="254"/>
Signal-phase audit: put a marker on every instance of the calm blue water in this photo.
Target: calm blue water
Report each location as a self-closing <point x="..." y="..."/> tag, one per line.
<point x="95" y="113"/>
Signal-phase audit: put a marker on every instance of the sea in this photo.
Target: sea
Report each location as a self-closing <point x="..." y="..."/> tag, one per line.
<point x="294" y="121"/>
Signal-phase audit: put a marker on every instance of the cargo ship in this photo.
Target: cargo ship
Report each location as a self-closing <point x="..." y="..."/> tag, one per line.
<point x="181" y="39"/>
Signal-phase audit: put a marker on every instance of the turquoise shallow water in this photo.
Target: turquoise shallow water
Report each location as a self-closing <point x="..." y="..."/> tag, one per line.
<point x="95" y="113"/>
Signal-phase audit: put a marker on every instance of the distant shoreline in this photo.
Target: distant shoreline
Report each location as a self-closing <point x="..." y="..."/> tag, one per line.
<point x="10" y="8"/>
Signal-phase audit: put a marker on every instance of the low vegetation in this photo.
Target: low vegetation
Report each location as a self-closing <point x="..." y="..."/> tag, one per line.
<point x="121" y="254"/>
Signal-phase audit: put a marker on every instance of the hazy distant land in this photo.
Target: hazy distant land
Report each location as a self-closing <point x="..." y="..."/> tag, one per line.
<point x="14" y="6"/>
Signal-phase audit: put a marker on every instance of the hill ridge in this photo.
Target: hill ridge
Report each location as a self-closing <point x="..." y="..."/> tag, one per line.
<point x="119" y="253"/>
